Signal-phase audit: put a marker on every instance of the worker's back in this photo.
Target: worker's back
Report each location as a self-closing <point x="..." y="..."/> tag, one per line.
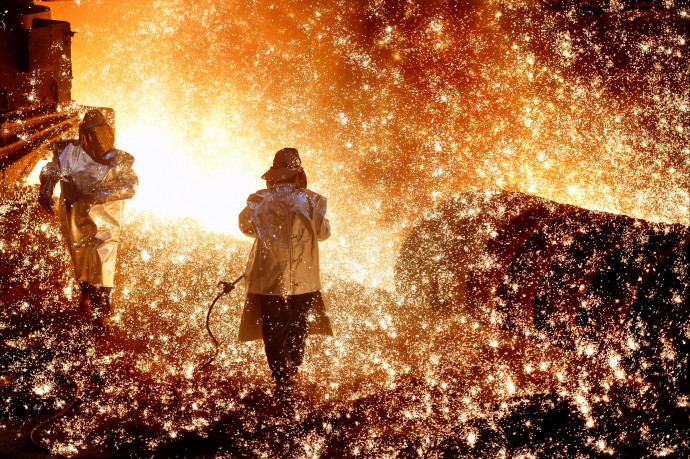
<point x="288" y="222"/>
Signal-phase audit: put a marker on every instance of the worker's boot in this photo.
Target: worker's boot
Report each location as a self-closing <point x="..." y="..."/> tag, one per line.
<point x="84" y="305"/>
<point x="100" y="308"/>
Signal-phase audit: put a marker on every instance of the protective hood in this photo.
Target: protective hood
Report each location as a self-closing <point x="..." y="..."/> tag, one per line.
<point x="286" y="164"/>
<point x="96" y="136"/>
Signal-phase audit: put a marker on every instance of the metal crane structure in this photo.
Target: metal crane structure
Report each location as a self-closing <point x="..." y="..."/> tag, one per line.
<point x="36" y="106"/>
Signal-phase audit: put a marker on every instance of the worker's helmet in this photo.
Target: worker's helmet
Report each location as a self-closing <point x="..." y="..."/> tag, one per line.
<point x="95" y="134"/>
<point x="286" y="165"/>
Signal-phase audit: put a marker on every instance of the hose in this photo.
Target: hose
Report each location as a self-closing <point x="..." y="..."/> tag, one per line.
<point x="75" y="397"/>
<point x="52" y="418"/>
<point x="227" y="288"/>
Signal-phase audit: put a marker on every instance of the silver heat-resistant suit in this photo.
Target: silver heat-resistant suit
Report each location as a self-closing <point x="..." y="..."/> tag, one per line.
<point x="95" y="179"/>
<point x="284" y="302"/>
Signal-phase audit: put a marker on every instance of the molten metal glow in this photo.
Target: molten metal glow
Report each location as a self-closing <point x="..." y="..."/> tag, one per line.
<point x="395" y="107"/>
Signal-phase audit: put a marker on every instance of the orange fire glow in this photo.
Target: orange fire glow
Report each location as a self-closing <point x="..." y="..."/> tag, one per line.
<point x="394" y="107"/>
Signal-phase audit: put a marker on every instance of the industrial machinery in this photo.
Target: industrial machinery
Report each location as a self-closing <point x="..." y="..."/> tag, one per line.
<point x="36" y="106"/>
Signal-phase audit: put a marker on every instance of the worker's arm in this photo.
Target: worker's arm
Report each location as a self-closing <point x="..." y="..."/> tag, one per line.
<point x="119" y="183"/>
<point x="321" y="223"/>
<point x="49" y="177"/>
<point x="246" y="225"/>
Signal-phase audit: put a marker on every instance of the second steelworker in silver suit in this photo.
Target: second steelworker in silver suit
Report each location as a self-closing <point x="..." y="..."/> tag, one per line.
<point x="95" y="179"/>
<point x="284" y="302"/>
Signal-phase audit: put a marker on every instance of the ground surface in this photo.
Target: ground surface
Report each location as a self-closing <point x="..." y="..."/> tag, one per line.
<point x="397" y="380"/>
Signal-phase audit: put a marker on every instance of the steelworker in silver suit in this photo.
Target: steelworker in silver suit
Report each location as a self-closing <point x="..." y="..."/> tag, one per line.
<point x="284" y="302"/>
<point x="95" y="179"/>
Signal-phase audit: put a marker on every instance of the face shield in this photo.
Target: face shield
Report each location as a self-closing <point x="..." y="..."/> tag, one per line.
<point x="95" y="135"/>
<point x="97" y="140"/>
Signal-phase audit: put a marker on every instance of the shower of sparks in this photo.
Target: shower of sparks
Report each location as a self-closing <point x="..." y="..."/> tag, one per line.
<point x="397" y="377"/>
<point x="395" y="107"/>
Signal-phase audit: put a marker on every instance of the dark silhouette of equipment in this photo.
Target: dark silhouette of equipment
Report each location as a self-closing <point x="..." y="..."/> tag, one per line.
<point x="587" y="280"/>
<point x="36" y="106"/>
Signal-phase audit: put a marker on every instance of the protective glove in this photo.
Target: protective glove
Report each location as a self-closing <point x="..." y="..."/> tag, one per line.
<point x="46" y="201"/>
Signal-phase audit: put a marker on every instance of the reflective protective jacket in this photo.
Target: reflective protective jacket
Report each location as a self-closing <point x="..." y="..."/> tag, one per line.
<point x="90" y="208"/>
<point x="288" y="222"/>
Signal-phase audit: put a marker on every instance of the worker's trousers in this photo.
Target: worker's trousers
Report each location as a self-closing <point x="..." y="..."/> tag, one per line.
<point x="285" y="326"/>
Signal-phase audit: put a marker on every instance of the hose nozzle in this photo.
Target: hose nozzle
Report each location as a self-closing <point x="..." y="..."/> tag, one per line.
<point x="228" y="286"/>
